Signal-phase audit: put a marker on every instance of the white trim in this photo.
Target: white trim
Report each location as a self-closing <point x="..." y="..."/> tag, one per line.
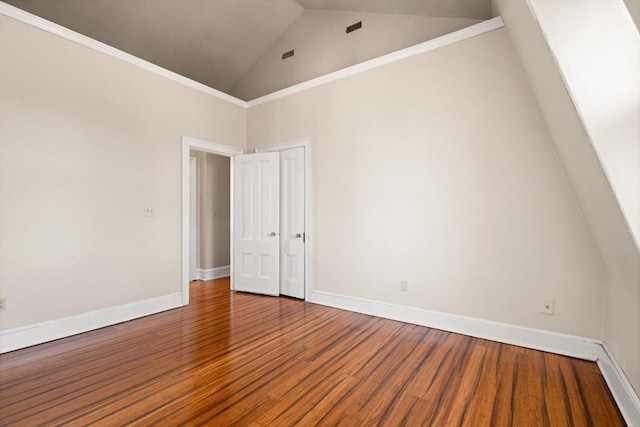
<point x="568" y="345"/>
<point x="214" y="273"/>
<point x="623" y="392"/>
<point x="65" y="33"/>
<point x="231" y="211"/>
<point x="447" y="39"/>
<point x="58" y="30"/>
<point x="14" y="339"/>
<point x="308" y="201"/>
<point x="626" y="397"/>
<point x="188" y="144"/>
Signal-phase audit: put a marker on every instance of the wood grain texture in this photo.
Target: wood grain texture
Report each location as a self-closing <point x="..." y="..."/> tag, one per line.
<point x="247" y="360"/>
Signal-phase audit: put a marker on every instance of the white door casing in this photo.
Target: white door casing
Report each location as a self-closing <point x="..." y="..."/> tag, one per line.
<point x="188" y="144"/>
<point x="256" y="219"/>
<point x="292" y="222"/>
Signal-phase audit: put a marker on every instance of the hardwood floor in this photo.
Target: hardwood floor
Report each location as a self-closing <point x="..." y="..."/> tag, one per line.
<point x="240" y="359"/>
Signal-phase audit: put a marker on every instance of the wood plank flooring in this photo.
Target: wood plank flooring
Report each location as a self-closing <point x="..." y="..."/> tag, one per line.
<point x="239" y="359"/>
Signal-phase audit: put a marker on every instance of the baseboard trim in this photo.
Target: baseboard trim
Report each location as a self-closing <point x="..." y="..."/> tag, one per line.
<point x="568" y="345"/>
<point x="623" y="392"/>
<point x="537" y="339"/>
<point x="15" y="339"/>
<point x="214" y="273"/>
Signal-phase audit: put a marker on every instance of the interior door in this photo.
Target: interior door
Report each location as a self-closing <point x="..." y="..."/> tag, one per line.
<point x="292" y="226"/>
<point x="257" y="223"/>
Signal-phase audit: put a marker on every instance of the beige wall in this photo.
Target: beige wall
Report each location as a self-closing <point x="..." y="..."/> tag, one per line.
<point x="321" y="46"/>
<point x="439" y="170"/>
<point x="213" y="210"/>
<point x="442" y="172"/>
<point x="597" y="48"/>
<point x="599" y="205"/>
<point x="85" y="142"/>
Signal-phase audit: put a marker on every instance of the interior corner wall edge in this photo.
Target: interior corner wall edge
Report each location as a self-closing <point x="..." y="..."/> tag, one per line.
<point x="86" y="141"/>
<point x="598" y="203"/>
<point x="404" y="156"/>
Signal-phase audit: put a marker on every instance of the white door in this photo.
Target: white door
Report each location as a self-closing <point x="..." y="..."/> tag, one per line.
<point x="292" y="237"/>
<point x="256" y="219"/>
<point x="193" y="219"/>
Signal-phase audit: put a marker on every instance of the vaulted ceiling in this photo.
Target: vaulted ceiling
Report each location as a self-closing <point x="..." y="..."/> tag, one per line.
<point x="214" y="42"/>
<point x="472" y="9"/>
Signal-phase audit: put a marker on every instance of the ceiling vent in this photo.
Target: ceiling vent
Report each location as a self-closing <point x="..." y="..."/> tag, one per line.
<point x="288" y="54"/>
<point x="354" y="27"/>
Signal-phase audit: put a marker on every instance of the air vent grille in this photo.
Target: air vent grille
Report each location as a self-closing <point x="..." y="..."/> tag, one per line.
<point x="354" y="27"/>
<point x="288" y="54"/>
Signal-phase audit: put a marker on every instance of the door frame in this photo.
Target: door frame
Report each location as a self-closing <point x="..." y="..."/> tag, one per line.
<point x="308" y="218"/>
<point x="188" y="144"/>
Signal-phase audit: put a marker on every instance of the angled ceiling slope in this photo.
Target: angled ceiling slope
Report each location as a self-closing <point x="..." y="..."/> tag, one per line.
<point x="215" y="42"/>
<point x="471" y="9"/>
<point x="211" y="42"/>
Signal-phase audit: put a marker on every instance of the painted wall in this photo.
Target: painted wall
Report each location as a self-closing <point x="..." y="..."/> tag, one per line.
<point x="322" y="45"/>
<point x="597" y="48"/>
<point x="440" y="170"/>
<point x="85" y="142"/>
<point x="444" y="166"/>
<point x="598" y="202"/>
<point x="213" y="210"/>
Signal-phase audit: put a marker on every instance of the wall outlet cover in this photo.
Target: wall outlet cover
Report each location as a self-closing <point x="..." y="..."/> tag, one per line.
<point x="149" y="211"/>
<point x="547" y="306"/>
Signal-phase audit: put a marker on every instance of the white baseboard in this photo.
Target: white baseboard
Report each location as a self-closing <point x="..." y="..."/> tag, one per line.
<point x="626" y="397"/>
<point x="213" y="273"/>
<point x="537" y="339"/>
<point x="14" y="339"/>
<point x="567" y="345"/>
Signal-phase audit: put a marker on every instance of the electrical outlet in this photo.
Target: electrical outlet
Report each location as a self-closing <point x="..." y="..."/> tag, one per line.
<point x="547" y="306"/>
<point x="404" y="286"/>
<point x="3" y="304"/>
<point x="149" y="211"/>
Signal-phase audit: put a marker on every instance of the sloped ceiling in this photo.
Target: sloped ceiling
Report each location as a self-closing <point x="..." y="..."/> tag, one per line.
<point x="210" y="41"/>
<point x="472" y="9"/>
<point x="214" y="42"/>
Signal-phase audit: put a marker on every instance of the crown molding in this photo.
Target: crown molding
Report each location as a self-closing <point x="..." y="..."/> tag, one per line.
<point x="58" y="30"/>
<point x="420" y="48"/>
<point x="65" y="33"/>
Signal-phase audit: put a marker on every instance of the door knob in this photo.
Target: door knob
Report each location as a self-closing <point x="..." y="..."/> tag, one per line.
<point x="298" y="235"/>
<point x="273" y="234"/>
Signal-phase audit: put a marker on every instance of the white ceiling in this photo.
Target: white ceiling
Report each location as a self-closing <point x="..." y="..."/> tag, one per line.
<point x="214" y="41"/>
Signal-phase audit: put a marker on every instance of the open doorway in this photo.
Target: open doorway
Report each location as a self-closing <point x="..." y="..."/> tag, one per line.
<point x="210" y="221"/>
<point x="204" y="248"/>
<point x="298" y="232"/>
